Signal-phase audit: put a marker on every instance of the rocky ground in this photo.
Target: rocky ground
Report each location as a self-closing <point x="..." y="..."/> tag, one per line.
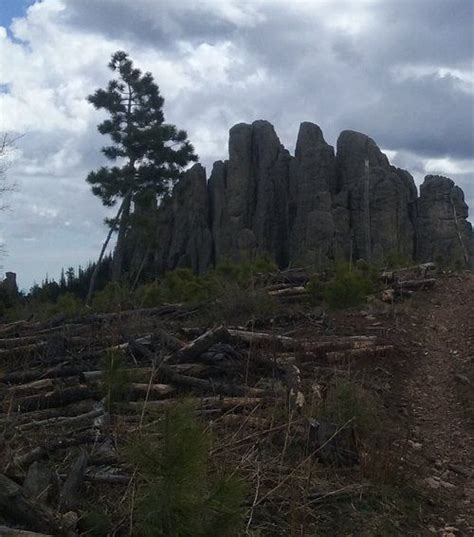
<point x="436" y="387"/>
<point x="406" y="468"/>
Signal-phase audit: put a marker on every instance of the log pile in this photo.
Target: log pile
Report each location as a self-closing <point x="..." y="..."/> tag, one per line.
<point x="61" y="432"/>
<point x="63" y="420"/>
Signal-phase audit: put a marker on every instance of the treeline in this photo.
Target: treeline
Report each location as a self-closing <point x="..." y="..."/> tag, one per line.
<point x="72" y="281"/>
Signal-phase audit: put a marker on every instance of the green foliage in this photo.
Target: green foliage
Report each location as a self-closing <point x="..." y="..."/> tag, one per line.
<point x="315" y="287"/>
<point x="395" y="260"/>
<point x="95" y="524"/>
<point x="181" y="285"/>
<point x="153" y="152"/>
<point x="114" y="380"/>
<point x="347" y="400"/>
<point x="245" y="273"/>
<point x="349" y="288"/>
<point x="179" y="496"/>
<point x="70" y="305"/>
<point x="116" y="296"/>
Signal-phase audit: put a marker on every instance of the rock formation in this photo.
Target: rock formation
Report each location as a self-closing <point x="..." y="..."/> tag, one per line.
<point x="313" y="208"/>
<point x="312" y="185"/>
<point x="442" y="230"/>
<point x="380" y="199"/>
<point x="249" y="193"/>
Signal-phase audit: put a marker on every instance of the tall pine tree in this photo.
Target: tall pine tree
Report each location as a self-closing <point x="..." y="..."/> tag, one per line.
<point x="150" y="154"/>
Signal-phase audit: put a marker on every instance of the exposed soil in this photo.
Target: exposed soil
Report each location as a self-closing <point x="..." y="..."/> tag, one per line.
<point x="435" y="394"/>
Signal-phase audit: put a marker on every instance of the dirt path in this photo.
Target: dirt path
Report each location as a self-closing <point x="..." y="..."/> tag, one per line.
<point x="436" y="391"/>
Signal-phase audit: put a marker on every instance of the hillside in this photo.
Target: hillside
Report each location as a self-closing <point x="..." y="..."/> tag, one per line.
<point x="339" y="422"/>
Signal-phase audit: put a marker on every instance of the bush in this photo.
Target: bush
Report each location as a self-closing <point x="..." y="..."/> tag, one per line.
<point x="346" y="400"/>
<point x="348" y="288"/>
<point x="114" y="297"/>
<point x="179" y="496"/>
<point x="114" y="381"/>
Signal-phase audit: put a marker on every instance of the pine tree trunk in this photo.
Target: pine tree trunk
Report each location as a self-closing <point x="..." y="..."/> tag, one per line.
<point x="119" y="252"/>
<point x="104" y="247"/>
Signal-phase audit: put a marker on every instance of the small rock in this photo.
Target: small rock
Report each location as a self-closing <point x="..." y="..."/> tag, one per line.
<point x="415" y="445"/>
<point x="463" y="379"/>
<point x="432" y="483"/>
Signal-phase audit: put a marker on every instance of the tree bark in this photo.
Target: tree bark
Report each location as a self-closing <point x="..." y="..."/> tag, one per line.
<point x="119" y="252"/>
<point x="90" y="292"/>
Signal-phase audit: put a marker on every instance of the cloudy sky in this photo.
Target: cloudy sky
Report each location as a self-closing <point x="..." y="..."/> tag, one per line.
<point x="400" y="71"/>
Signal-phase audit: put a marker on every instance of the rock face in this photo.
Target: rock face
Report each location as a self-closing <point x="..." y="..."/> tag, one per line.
<point x="312" y="185"/>
<point x="313" y="208"/>
<point x="380" y="199"/>
<point x="249" y="195"/>
<point x="443" y="233"/>
<point x="9" y="284"/>
<point x="183" y="236"/>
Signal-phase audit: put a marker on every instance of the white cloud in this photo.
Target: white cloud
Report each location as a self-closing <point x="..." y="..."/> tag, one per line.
<point x="353" y="65"/>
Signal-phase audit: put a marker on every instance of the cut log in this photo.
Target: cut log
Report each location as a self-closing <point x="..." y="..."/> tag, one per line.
<point x="192" y="350"/>
<point x="367" y="352"/>
<point x="42" y="452"/>
<point x="220" y="403"/>
<point x="414" y="285"/>
<point x="340" y="343"/>
<point x="55" y="398"/>
<point x="11" y="532"/>
<point x="23" y="351"/>
<point x="151" y="391"/>
<point x="32" y="387"/>
<point x="69" y="496"/>
<point x="289" y="291"/>
<point x="15" y="506"/>
<point x="284" y="342"/>
<point x="63" y="421"/>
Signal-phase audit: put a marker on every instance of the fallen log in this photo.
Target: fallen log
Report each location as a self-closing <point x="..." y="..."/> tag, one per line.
<point x="12" y="328"/>
<point x="285" y="342"/>
<point x="23" y="351"/>
<point x="63" y="420"/>
<point x="150" y="391"/>
<point x="70" y="491"/>
<point x="198" y="346"/>
<point x="340" y="343"/>
<point x="192" y="350"/>
<point x="365" y="352"/>
<point x="289" y="291"/>
<point x="220" y="403"/>
<point x="11" y="532"/>
<point x="55" y="398"/>
<point x="15" y="506"/>
<point x="414" y="285"/>
<point x="41" y="452"/>
<point x="73" y="409"/>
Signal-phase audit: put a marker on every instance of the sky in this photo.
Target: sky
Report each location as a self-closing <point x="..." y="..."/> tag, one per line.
<point x="400" y="71"/>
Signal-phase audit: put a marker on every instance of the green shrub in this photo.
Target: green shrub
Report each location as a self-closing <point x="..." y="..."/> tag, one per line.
<point x="181" y="285"/>
<point x="114" y="380"/>
<point x="348" y="288"/>
<point x="347" y="400"/>
<point x="70" y="305"/>
<point x="179" y="496"/>
<point x="244" y="273"/>
<point x="114" y="297"/>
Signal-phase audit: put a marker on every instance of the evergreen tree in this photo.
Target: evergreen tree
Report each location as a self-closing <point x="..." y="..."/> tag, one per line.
<point x="150" y="154"/>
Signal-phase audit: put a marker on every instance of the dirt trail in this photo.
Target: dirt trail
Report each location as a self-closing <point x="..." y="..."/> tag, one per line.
<point x="441" y="446"/>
